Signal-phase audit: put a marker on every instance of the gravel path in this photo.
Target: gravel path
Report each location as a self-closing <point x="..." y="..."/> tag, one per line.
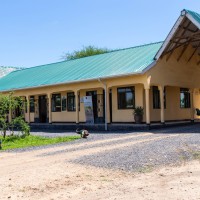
<point x="139" y="157"/>
<point x="128" y="151"/>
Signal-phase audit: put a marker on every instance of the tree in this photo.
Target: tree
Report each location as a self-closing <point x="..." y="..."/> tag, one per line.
<point x="85" y="52"/>
<point x="8" y="103"/>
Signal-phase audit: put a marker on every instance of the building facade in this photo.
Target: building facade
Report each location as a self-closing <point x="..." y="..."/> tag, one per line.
<point x="163" y="78"/>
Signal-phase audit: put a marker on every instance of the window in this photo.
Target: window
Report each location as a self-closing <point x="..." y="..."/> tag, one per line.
<point x="156" y="98"/>
<point x="126" y="98"/>
<point x="32" y="104"/>
<point x="56" y="103"/>
<point x="71" y="104"/>
<point x="184" y="98"/>
<point x="64" y="104"/>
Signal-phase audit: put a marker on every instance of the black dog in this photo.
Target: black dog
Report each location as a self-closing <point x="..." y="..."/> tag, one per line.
<point x="83" y="133"/>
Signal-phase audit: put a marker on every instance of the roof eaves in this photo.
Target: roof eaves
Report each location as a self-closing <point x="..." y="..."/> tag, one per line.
<point x="149" y="67"/>
<point x="79" y="81"/>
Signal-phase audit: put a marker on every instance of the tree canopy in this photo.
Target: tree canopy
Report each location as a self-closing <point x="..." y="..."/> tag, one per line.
<point x="10" y="103"/>
<point x="85" y="52"/>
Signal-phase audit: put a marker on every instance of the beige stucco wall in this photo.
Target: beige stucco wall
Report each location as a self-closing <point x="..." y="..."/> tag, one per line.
<point x="31" y="117"/>
<point x="173" y="110"/>
<point x="126" y="115"/>
<point x="176" y="73"/>
<point x="65" y="116"/>
<point x="169" y="71"/>
<point x="70" y="116"/>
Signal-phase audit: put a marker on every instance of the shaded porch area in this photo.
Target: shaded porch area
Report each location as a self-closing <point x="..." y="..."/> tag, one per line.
<point x="111" y="127"/>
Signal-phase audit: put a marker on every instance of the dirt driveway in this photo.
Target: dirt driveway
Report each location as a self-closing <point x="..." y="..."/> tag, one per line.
<point x="106" y="166"/>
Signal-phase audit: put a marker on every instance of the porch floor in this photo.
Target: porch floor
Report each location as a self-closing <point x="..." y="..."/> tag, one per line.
<point x="111" y="127"/>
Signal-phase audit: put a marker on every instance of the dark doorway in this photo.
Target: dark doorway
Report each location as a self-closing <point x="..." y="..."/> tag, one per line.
<point x="18" y="112"/>
<point x="43" y="109"/>
<point x="98" y="106"/>
<point x="18" y="109"/>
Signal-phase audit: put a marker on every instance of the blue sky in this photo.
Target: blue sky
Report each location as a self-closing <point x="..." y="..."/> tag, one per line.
<point x="35" y="32"/>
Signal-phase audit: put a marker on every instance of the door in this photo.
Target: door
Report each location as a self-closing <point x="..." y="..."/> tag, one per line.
<point x="98" y="106"/>
<point x="43" y="109"/>
<point x="94" y="102"/>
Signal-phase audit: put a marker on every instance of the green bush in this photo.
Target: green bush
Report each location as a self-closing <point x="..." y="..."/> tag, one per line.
<point x="138" y="110"/>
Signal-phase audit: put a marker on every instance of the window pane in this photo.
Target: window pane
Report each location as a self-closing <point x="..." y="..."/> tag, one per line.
<point x="121" y="90"/>
<point x="126" y="98"/>
<point x="64" y="104"/>
<point x="184" y="98"/>
<point x="71" y="105"/>
<point x="56" y="103"/>
<point x="129" y="100"/>
<point x="32" y="104"/>
<point x="129" y="89"/>
<point x="156" y="97"/>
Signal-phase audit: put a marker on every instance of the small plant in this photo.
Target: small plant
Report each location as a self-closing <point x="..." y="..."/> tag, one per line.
<point x="20" y="124"/>
<point x="138" y="114"/>
<point x="138" y="110"/>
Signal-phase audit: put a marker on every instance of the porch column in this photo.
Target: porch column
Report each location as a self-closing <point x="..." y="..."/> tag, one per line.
<point x="49" y="107"/>
<point x="28" y="108"/>
<point x="162" y="106"/>
<point x="192" y="104"/>
<point x="77" y="105"/>
<point x="107" y="105"/>
<point x="147" y="102"/>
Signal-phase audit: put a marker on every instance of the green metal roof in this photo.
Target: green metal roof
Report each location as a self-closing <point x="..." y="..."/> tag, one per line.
<point x="6" y="70"/>
<point x="114" y="63"/>
<point x="195" y="15"/>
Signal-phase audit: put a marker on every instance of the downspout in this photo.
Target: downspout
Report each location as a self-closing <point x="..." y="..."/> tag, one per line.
<point x="105" y="100"/>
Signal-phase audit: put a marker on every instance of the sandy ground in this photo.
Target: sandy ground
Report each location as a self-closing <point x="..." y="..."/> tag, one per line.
<point x="29" y="175"/>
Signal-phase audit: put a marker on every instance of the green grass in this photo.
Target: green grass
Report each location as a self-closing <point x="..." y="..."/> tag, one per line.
<point x="14" y="142"/>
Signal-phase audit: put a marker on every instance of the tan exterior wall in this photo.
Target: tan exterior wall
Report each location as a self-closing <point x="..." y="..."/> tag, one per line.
<point x="65" y="116"/>
<point x="169" y="71"/>
<point x="31" y="117"/>
<point x="126" y="115"/>
<point x="173" y="110"/>
<point x="176" y="73"/>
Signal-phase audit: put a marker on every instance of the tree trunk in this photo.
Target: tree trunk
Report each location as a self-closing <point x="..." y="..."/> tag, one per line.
<point x="4" y="133"/>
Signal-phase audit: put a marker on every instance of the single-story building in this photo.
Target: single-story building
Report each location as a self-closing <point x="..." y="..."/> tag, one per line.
<point x="162" y="77"/>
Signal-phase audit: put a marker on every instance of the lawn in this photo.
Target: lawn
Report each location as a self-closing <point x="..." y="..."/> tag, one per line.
<point x="14" y="142"/>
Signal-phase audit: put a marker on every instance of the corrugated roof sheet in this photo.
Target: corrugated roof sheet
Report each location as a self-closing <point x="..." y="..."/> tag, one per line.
<point x="195" y="15"/>
<point x="115" y="63"/>
<point x="6" y="70"/>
